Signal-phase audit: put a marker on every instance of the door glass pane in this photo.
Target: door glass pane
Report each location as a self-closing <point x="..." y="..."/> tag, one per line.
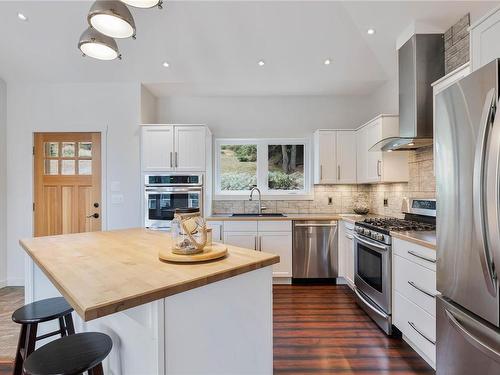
<point x="85" y="149"/>
<point x="286" y="167"/>
<point x="67" y="167"/>
<point x="85" y="167"/>
<point x="51" y="166"/>
<point x="370" y="266"/>
<point x="68" y="149"/>
<point x="238" y="167"/>
<point x="52" y="149"/>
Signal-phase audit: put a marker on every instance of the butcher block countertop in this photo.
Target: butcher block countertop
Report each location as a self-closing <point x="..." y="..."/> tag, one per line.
<point x="424" y="238"/>
<point x="100" y="273"/>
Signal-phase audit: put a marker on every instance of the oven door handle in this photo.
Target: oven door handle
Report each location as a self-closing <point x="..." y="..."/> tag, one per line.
<point x="375" y="310"/>
<point x="173" y="190"/>
<point x="370" y="242"/>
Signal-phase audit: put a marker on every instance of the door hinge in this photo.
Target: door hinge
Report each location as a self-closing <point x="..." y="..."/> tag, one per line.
<point x="33" y="150"/>
<point x="33" y="206"/>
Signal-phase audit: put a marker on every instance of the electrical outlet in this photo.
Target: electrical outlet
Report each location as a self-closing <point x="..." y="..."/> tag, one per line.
<point x="386" y="202"/>
<point x="330" y="201"/>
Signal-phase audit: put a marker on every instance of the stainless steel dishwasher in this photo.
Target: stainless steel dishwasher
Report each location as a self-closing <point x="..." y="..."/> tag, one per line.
<point x="315" y="250"/>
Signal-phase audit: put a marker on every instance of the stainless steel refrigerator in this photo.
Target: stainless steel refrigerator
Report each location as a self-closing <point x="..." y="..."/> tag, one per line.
<point x="467" y="132"/>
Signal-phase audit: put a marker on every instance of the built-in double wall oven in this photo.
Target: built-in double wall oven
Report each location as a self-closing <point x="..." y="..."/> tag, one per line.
<point x="165" y="194"/>
<point x="372" y="277"/>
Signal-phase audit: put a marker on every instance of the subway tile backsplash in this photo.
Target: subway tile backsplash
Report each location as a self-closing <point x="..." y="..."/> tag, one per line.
<point x="343" y="197"/>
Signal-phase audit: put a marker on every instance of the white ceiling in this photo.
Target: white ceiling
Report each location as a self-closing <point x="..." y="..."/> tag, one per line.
<point x="213" y="46"/>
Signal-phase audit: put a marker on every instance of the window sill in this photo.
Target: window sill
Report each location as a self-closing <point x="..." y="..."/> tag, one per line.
<point x="265" y="197"/>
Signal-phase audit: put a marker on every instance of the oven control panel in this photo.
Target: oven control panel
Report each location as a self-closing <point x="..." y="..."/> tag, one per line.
<point x="373" y="234"/>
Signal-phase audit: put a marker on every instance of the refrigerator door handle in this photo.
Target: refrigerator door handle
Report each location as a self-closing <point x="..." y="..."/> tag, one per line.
<point x="471" y="338"/>
<point x="478" y="191"/>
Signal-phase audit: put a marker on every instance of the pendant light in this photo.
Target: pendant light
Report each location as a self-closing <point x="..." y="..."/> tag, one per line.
<point x="99" y="46"/>
<point x="144" y="3"/>
<point x="112" y="18"/>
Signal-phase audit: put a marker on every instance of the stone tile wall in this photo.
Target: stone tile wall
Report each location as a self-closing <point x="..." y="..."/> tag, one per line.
<point x="421" y="184"/>
<point x="456" y="45"/>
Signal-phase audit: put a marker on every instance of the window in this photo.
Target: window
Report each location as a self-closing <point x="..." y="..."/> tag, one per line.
<point x="68" y="158"/>
<point x="278" y="167"/>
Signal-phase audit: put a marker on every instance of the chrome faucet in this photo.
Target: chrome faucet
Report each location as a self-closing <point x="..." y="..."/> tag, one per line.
<point x="255" y="188"/>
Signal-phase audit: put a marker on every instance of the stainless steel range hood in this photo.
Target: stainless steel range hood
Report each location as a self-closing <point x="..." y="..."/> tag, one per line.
<point x="421" y="62"/>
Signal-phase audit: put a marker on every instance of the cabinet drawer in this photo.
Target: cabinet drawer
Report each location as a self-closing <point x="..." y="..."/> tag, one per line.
<point x="418" y="326"/>
<point x="418" y="254"/>
<point x="240" y="226"/>
<point x="275" y="226"/>
<point x="415" y="283"/>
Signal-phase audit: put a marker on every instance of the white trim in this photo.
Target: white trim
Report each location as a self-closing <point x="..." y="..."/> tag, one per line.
<point x="29" y="265"/>
<point x="451" y="74"/>
<point x="3" y="284"/>
<point x="484" y="18"/>
<point x="262" y="169"/>
<point x="15" y="281"/>
<point x="373" y="119"/>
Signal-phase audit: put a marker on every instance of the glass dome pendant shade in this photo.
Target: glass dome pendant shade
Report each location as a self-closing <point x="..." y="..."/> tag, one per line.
<point x="112" y="18"/>
<point x="144" y="3"/>
<point x="94" y="44"/>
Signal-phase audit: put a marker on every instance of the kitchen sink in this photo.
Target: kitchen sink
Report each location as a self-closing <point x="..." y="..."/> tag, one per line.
<point x="259" y="215"/>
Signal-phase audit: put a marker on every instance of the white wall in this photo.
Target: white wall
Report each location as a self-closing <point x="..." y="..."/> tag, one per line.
<point x="265" y="116"/>
<point x="113" y="108"/>
<point x="3" y="184"/>
<point x="385" y="99"/>
<point x="149" y="106"/>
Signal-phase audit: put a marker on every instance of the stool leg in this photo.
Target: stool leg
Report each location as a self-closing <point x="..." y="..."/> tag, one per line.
<point x="97" y="370"/>
<point x="70" y="328"/>
<point x="62" y="327"/>
<point x="30" y="339"/>
<point x="18" y="366"/>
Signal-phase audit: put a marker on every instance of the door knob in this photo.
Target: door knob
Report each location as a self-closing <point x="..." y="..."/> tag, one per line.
<point x="96" y="205"/>
<point x="95" y="216"/>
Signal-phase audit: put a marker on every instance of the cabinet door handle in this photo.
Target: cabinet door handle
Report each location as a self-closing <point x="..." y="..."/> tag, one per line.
<point x="338" y="172"/>
<point x="255" y="242"/>
<point x="421" y="257"/>
<point x="379" y="168"/>
<point x="171" y="165"/>
<point x="176" y="160"/>
<point x="321" y="173"/>
<point x="412" y="325"/>
<point x="421" y="289"/>
<point x="260" y="243"/>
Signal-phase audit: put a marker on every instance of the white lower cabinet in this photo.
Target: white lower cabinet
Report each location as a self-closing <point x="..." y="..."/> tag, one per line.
<point x="273" y="236"/>
<point x="248" y="240"/>
<point x="346" y="252"/>
<point x="414" y="296"/>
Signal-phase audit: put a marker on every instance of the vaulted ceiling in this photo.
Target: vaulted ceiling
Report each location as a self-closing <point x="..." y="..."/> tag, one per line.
<point x="213" y="47"/>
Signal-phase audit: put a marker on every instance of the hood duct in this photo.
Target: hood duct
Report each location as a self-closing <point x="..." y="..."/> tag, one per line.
<point x="421" y="62"/>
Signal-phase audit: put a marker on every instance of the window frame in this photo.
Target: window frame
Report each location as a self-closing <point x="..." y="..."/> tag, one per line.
<point x="263" y="169"/>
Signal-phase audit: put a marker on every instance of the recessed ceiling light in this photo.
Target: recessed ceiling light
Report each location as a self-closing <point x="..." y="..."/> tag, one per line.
<point x="165" y="64"/>
<point x="389" y="150"/>
<point x="327" y="62"/>
<point x="22" y="17"/>
<point x="370" y="31"/>
<point x="411" y="144"/>
<point x="261" y="63"/>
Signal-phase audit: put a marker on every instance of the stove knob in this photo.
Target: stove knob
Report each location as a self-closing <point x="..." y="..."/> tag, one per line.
<point x="379" y="237"/>
<point x="367" y="232"/>
<point x="374" y="235"/>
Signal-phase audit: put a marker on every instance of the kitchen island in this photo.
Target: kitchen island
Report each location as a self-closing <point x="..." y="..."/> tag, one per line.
<point x="212" y="317"/>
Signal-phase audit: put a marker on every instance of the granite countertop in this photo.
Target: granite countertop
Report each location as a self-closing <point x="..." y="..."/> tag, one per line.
<point x="423" y="238"/>
<point x="334" y="216"/>
<point x="100" y="273"/>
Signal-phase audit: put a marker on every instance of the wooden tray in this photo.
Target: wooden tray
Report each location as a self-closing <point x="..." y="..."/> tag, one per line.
<point x="215" y="251"/>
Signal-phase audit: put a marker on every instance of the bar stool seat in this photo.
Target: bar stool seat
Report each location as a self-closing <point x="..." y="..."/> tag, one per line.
<point x="29" y="316"/>
<point x="70" y="355"/>
<point x="42" y="311"/>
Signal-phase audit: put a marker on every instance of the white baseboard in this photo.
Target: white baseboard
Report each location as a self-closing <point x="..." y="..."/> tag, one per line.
<point x="282" y="280"/>
<point x="15" y="281"/>
<point x="3" y="283"/>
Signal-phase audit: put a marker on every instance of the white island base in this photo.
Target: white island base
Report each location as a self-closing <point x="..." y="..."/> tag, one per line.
<point x="220" y="328"/>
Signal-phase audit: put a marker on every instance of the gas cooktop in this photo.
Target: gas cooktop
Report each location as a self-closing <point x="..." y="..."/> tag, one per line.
<point x="387" y="224"/>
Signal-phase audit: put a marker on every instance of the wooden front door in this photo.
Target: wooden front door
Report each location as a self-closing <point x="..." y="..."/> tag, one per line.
<point x="67" y="171"/>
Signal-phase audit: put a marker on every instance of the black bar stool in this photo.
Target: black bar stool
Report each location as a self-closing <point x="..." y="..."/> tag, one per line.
<point x="70" y="355"/>
<point x="38" y="312"/>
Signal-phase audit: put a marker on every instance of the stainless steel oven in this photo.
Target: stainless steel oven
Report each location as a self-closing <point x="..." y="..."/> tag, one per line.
<point x="372" y="277"/>
<point x="164" y="194"/>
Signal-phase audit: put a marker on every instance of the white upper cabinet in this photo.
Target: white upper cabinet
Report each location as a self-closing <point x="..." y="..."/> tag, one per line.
<point x="484" y="38"/>
<point x="190" y="148"/>
<point x="377" y="166"/>
<point x="334" y="157"/>
<point x="179" y="148"/>
<point x="157" y="148"/>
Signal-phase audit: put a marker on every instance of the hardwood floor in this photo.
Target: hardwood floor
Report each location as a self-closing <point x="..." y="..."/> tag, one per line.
<point x="11" y="298"/>
<point x="320" y="329"/>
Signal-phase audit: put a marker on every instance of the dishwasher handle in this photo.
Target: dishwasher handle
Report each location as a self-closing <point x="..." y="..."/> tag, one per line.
<point x="316" y="225"/>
